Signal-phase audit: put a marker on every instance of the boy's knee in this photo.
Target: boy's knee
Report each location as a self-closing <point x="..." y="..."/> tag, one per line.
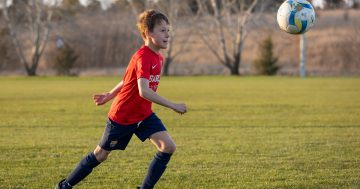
<point x="168" y="148"/>
<point x="101" y="154"/>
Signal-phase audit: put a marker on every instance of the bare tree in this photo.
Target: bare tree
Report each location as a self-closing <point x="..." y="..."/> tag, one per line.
<point x="174" y="10"/>
<point x="29" y="25"/>
<point x="230" y="20"/>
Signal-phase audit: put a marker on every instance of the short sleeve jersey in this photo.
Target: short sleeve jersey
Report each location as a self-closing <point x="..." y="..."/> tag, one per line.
<point x="128" y="106"/>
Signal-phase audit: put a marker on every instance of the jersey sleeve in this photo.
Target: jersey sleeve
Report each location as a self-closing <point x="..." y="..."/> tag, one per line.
<point x="143" y="68"/>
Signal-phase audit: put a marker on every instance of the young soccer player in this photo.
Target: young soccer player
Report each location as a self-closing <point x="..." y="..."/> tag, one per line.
<point x="130" y="112"/>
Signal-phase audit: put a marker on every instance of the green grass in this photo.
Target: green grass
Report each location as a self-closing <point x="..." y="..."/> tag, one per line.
<point x="239" y="132"/>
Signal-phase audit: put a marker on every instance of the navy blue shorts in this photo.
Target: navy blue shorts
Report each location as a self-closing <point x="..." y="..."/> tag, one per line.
<point x="117" y="136"/>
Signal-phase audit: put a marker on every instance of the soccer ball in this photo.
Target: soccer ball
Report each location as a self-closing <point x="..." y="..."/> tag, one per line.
<point x="296" y="16"/>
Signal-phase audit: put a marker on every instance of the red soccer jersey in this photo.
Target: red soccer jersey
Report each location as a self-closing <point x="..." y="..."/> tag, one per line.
<point x="129" y="107"/>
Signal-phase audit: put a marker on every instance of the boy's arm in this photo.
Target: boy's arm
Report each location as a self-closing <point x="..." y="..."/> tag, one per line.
<point x="152" y="96"/>
<point x="103" y="98"/>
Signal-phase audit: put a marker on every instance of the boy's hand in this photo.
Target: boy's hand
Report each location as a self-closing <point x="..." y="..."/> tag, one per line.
<point x="179" y="108"/>
<point x="101" y="99"/>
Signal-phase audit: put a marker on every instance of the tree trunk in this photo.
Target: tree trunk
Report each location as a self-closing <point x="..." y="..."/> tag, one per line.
<point x="234" y="70"/>
<point x="31" y="71"/>
<point x="236" y="64"/>
<point x="34" y="65"/>
<point x="168" y="61"/>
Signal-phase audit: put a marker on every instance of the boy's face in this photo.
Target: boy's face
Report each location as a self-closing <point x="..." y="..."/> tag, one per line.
<point x="159" y="37"/>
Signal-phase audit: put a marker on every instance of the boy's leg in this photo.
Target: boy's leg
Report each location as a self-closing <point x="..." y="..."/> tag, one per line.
<point x="115" y="137"/>
<point x="84" y="168"/>
<point x="166" y="147"/>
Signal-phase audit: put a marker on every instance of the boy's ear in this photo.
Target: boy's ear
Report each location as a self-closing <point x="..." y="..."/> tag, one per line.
<point x="147" y="33"/>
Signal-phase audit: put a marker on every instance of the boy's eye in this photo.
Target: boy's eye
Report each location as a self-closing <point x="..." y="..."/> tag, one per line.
<point x="165" y="30"/>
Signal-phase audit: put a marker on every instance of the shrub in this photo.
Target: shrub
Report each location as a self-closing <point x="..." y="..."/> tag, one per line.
<point x="266" y="64"/>
<point x="65" y="60"/>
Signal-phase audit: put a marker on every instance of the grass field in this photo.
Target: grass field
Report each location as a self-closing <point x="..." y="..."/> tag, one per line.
<point x="239" y="132"/>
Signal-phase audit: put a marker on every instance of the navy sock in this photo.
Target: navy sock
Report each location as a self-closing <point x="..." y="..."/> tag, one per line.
<point x="156" y="169"/>
<point x="83" y="169"/>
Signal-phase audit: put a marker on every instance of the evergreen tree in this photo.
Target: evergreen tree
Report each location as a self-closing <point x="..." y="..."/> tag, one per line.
<point x="65" y="60"/>
<point x="266" y="64"/>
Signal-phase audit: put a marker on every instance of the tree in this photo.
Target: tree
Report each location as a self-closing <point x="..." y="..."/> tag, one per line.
<point x="29" y="22"/>
<point x="356" y="4"/>
<point x="174" y="9"/>
<point x="65" y="60"/>
<point x="29" y="25"/>
<point x="334" y="3"/>
<point x="4" y="47"/>
<point x="231" y="19"/>
<point x="266" y="64"/>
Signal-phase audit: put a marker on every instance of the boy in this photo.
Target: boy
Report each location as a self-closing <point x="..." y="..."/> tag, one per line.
<point x="130" y="112"/>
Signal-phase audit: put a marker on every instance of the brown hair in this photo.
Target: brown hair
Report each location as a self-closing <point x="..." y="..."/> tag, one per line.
<point x="148" y="19"/>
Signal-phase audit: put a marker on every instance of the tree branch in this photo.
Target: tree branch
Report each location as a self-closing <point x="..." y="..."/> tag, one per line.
<point x="14" y="37"/>
<point x="241" y="34"/>
<point x="214" y="51"/>
<point x="46" y="32"/>
<point x="218" y="22"/>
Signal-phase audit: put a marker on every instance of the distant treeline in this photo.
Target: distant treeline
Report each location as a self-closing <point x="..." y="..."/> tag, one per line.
<point x="90" y="38"/>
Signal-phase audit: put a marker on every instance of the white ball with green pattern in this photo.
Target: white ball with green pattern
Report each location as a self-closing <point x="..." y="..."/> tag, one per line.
<point x="296" y="16"/>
